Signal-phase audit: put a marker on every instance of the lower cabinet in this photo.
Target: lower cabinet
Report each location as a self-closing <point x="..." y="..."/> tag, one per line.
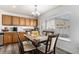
<point x="7" y="38"/>
<point x="14" y="37"/>
<point x="11" y="37"/>
<point x="21" y="35"/>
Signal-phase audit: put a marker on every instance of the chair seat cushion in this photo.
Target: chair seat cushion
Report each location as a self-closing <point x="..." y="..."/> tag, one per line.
<point x="26" y="42"/>
<point x="42" y="48"/>
<point x="28" y="46"/>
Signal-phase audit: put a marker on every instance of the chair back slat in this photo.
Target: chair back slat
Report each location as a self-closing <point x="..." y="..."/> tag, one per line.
<point x="51" y="43"/>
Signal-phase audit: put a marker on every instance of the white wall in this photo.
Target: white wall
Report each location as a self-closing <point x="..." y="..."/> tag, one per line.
<point x="67" y="12"/>
<point x="12" y="14"/>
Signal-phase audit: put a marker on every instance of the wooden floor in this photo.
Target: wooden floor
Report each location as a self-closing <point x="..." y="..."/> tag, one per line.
<point x="13" y="49"/>
<point x="9" y="49"/>
<point x="1" y="39"/>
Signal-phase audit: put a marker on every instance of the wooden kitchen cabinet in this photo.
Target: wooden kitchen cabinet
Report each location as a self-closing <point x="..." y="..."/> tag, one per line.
<point x="21" y="36"/>
<point x="6" y="20"/>
<point x="15" y="37"/>
<point x="15" y="20"/>
<point x="7" y="38"/>
<point x="35" y="22"/>
<point x="11" y="37"/>
<point x="22" y="21"/>
<point x="27" y="22"/>
<point x="31" y="22"/>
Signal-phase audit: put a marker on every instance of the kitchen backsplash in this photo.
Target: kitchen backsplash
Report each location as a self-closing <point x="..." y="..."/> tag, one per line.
<point x="19" y="28"/>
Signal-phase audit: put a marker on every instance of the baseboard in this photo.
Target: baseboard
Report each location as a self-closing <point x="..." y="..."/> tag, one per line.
<point x="63" y="50"/>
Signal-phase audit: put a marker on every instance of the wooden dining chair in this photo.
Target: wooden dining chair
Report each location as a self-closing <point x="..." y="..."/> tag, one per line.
<point x="50" y="45"/>
<point x="24" y="46"/>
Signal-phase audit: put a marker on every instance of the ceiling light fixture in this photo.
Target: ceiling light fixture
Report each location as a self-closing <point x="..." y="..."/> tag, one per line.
<point x="35" y="13"/>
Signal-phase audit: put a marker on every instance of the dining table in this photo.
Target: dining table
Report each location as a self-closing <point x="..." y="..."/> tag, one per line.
<point x="36" y="41"/>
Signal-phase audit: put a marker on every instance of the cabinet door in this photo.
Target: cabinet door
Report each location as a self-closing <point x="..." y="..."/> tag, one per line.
<point x="35" y="22"/>
<point x="27" y="22"/>
<point x="31" y="22"/>
<point x="22" y="21"/>
<point x="15" y="20"/>
<point x="21" y="36"/>
<point x="6" y="20"/>
<point x="15" y="37"/>
<point x="7" y="38"/>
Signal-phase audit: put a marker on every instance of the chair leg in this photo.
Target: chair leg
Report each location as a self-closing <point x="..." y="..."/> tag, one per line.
<point x="54" y="52"/>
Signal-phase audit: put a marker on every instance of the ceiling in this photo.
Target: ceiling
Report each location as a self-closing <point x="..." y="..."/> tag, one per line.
<point x="26" y="9"/>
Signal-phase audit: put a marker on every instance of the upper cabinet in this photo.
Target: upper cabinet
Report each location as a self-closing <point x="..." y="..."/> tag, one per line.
<point x="22" y="21"/>
<point x="31" y="22"/>
<point x="35" y="22"/>
<point x="27" y="22"/>
<point x="6" y="20"/>
<point x="15" y="20"/>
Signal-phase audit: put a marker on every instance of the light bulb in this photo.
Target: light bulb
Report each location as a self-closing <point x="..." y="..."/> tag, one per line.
<point x="37" y="13"/>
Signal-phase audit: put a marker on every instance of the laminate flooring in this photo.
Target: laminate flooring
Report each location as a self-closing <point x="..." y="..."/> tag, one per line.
<point x="14" y="49"/>
<point x="9" y="49"/>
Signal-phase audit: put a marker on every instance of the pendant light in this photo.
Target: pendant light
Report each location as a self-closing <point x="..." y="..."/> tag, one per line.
<point x="35" y="13"/>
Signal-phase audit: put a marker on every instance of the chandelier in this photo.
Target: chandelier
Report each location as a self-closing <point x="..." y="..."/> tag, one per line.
<point x="35" y="13"/>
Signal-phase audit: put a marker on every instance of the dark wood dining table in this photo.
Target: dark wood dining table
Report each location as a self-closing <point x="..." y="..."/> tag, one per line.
<point x="36" y="40"/>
